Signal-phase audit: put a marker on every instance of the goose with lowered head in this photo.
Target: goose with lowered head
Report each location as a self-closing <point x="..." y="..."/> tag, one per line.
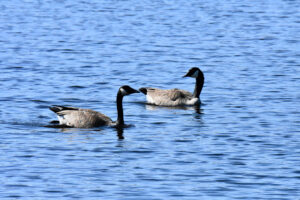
<point x="87" y="118"/>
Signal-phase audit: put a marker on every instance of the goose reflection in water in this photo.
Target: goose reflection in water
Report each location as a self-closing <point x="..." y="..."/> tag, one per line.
<point x="196" y="108"/>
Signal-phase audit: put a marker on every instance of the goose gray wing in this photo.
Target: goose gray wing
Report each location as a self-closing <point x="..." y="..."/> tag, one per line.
<point x="171" y="97"/>
<point x="176" y="94"/>
<point x="171" y="94"/>
<point x="80" y="118"/>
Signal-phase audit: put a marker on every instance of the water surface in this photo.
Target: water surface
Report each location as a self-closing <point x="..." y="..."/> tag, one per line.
<point x="243" y="143"/>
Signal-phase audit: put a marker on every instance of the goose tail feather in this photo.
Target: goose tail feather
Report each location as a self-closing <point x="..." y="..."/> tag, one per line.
<point x="143" y="90"/>
<point x="56" y="108"/>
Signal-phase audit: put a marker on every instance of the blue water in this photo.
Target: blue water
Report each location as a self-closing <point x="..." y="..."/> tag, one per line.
<point x="243" y="143"/>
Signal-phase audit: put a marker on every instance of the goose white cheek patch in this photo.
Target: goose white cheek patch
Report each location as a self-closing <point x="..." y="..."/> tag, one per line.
<point x="123" y="91"/>
<point x="195" y="75"/>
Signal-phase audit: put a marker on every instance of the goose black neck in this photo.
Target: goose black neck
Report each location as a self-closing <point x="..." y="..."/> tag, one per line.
<point x="198" y="86"/>
<point x="120" y="120"/>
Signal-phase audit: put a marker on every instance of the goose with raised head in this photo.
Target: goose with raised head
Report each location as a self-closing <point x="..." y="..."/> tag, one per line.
<point x="86" y="118"/>
<point x="176" y="97"/>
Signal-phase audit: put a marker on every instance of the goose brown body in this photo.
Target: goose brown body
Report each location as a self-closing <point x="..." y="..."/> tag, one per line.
<point x="87" y="118"/>
<point x="81" y="118"/>
<point x="170" y="97"/>
<point x="176" y="97"/>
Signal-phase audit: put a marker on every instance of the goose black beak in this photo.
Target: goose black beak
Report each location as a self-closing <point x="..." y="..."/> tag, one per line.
<point x="134" y="91"/>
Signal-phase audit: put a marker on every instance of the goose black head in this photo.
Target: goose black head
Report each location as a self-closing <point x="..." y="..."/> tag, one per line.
<point x="194" y="72"/>
<point x="127" y="90"/>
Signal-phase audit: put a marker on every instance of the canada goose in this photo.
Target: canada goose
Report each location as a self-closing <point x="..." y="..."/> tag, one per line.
<point x="86" y="118"/>
<point x="176" y="97"/>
